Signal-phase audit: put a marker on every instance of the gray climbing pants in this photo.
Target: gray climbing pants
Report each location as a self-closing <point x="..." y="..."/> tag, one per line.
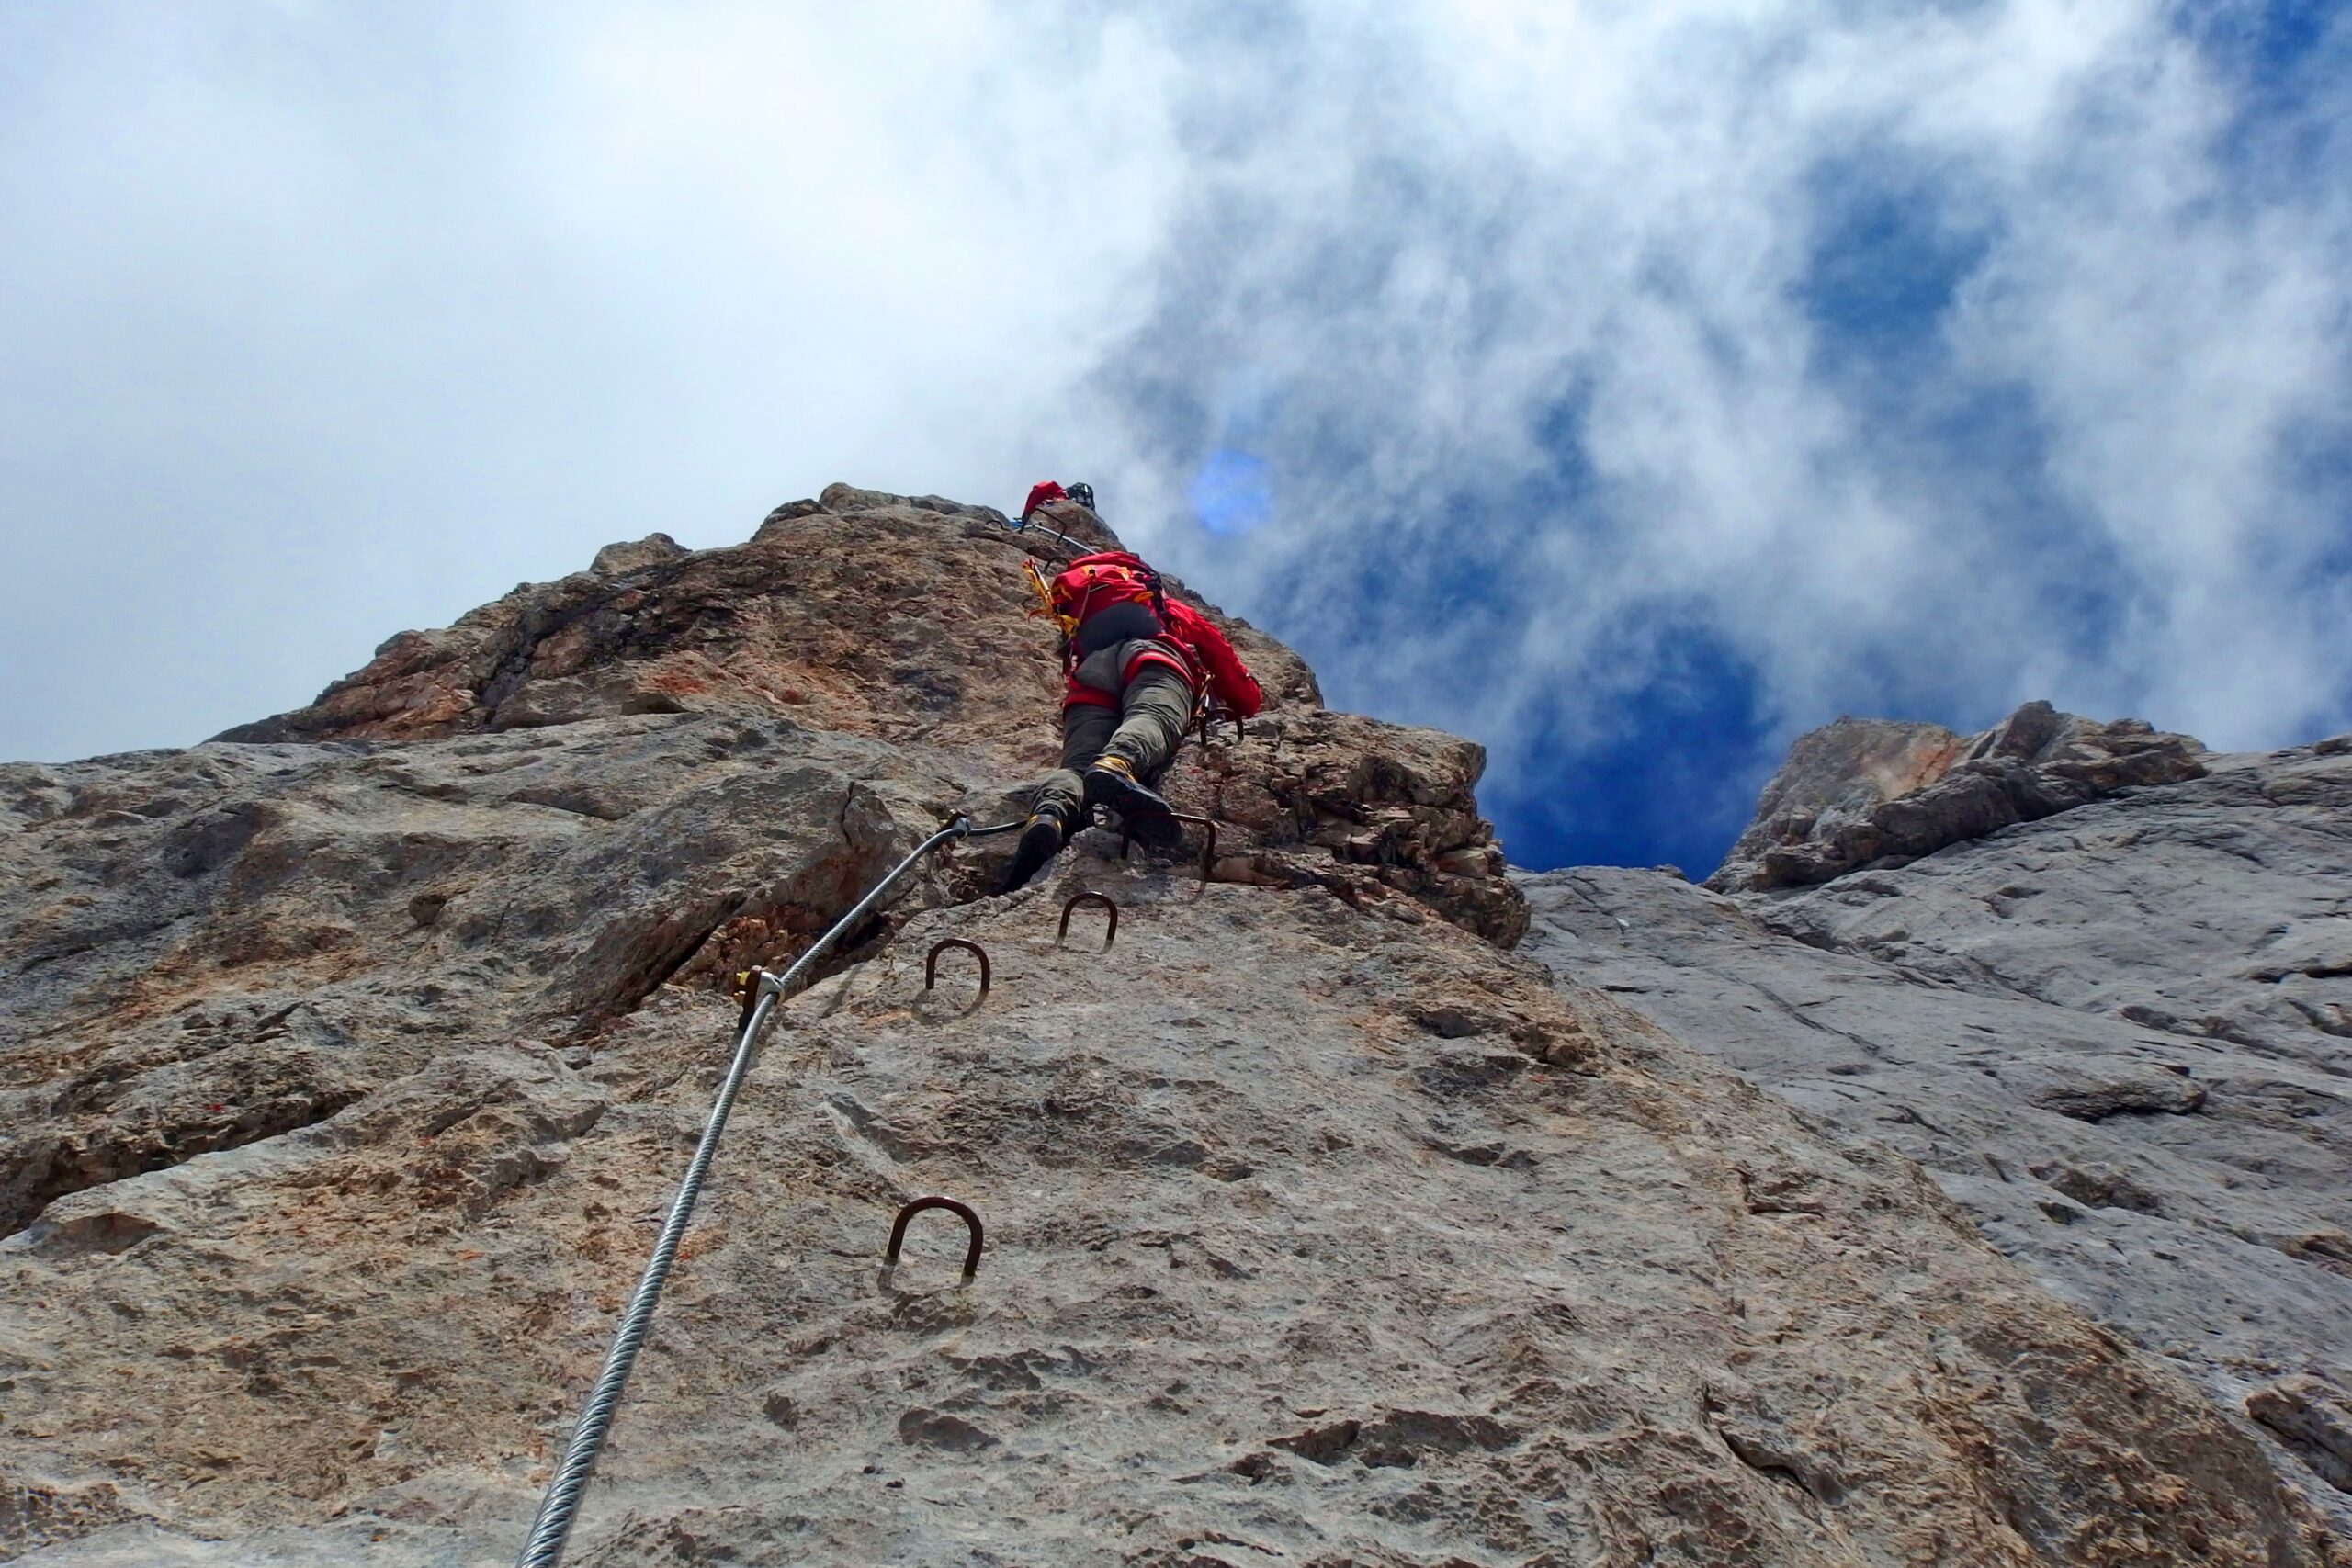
<point x="1144" y="731"/>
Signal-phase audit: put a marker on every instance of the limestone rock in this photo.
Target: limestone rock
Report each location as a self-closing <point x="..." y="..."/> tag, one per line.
<point x="653" y="549"/>
<point x="278" y="930"/>
<point x="1383" y="815"/>
<point x="1863" y="793"/>
<point x="2121" y="1037"/>
<point x="2312" y="1418"/>
<point x="903" y="619"/>
<point x="1292" y="1255"/>
<point x="348" y="1066"/>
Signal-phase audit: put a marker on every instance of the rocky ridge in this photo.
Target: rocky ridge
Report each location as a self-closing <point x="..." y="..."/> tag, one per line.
<point x="349" y="1058"/>
<point x="2119" y="1034"/>
<point x="902" y="619"/>
<point x="1878" y="793"/>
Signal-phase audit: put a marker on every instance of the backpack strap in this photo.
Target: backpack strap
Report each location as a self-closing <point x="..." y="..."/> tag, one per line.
<point x="1159" y="598"/>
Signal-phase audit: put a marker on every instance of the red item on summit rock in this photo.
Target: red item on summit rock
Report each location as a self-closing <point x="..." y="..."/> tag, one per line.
<point x="1038" y="495"/>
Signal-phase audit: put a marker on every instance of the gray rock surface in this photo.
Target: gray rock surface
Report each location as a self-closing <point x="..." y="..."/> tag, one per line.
<point x="651" y="550"/>
<point x="2120" y="1036"/>
<point x="212" y="947"/>
<point x="350" y="1061"/>
<point x="1372" y="1249"/>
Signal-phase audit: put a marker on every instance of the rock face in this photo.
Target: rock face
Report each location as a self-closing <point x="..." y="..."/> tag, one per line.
<point x="1868" y="793"/>
<point x="349" y="1064"/>
<point x="900" y="619"/>
<point x="2121" y="1037"/>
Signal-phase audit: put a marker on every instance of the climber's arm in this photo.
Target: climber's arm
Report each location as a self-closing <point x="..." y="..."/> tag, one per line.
<point x="1230" y="679"/>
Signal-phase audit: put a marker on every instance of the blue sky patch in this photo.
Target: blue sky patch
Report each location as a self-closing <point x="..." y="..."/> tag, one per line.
<point x="2286" y="62"/>
<point x="1886" y="263"/>
<point x="1671" y="784"/>
<point x="1233" y="492"/>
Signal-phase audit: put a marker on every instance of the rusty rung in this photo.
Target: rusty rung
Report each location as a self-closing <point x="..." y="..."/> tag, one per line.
<point x="1102" y="899"/>
<point x="1208" y="851"/>
<point x="961" y="1211"/>
<point x="931" y="961"/>
<point x="1210" y="717"/>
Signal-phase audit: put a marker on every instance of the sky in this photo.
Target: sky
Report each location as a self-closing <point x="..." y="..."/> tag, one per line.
<point x="1630" y="386"/>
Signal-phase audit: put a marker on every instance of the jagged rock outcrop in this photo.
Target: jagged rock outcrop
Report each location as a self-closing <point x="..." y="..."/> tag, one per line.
<point x="1872" y="792"/>
<point x="216" y="946"/>
<point x="2120" y="1036"/>
<point x="349" y="1063"/>
<point x="903" y="619"/>
<point x="855" y="614"/>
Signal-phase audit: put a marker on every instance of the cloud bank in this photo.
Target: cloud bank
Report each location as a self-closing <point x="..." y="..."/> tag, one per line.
<point x="1627" y="385"/>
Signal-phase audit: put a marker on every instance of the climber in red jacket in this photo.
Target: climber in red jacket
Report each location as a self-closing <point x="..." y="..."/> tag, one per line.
<point x="1136" y="667"/>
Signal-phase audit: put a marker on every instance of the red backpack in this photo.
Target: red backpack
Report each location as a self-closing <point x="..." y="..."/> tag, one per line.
<point x="1094" y="583"/>
<point x="1091" y="584"/>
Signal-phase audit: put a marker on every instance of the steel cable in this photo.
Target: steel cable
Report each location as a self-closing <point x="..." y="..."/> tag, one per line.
<point x="560" y="1506"/>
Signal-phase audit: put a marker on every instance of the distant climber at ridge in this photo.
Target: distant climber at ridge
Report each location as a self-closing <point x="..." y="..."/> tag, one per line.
<point x="1136" y="667"/>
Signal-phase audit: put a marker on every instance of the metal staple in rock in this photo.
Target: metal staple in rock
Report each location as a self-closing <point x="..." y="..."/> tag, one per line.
<point x="1211" y="716"/>
<point x="1109" y="906"/>
<point x="1208" y="851"/>
<point x="931" y="961"/>
<point x="963" y="1212"/>
<point x="1027" y="525"/>
<point x="560" y="1506"/>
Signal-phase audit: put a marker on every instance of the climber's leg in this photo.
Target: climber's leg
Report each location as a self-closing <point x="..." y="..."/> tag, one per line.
<point x="1087" y="729"/>
<point x="1057" y="811"/>
<point x="1158" y="703"/>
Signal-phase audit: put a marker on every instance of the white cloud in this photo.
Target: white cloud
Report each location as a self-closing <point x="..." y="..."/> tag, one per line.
<point x="322" y="326"/>
<point x="1628" y="200"/>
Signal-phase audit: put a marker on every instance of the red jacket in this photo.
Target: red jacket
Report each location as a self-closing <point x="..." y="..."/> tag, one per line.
<point x="1230" y="681"/>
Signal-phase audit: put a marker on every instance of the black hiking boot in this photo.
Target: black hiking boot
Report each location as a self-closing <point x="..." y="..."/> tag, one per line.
<point x="1040" y="841"/>
<point x="1143" y="814"/>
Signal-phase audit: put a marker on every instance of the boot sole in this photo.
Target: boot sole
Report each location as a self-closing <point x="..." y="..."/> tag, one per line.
<point x="1145" y="816"/>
